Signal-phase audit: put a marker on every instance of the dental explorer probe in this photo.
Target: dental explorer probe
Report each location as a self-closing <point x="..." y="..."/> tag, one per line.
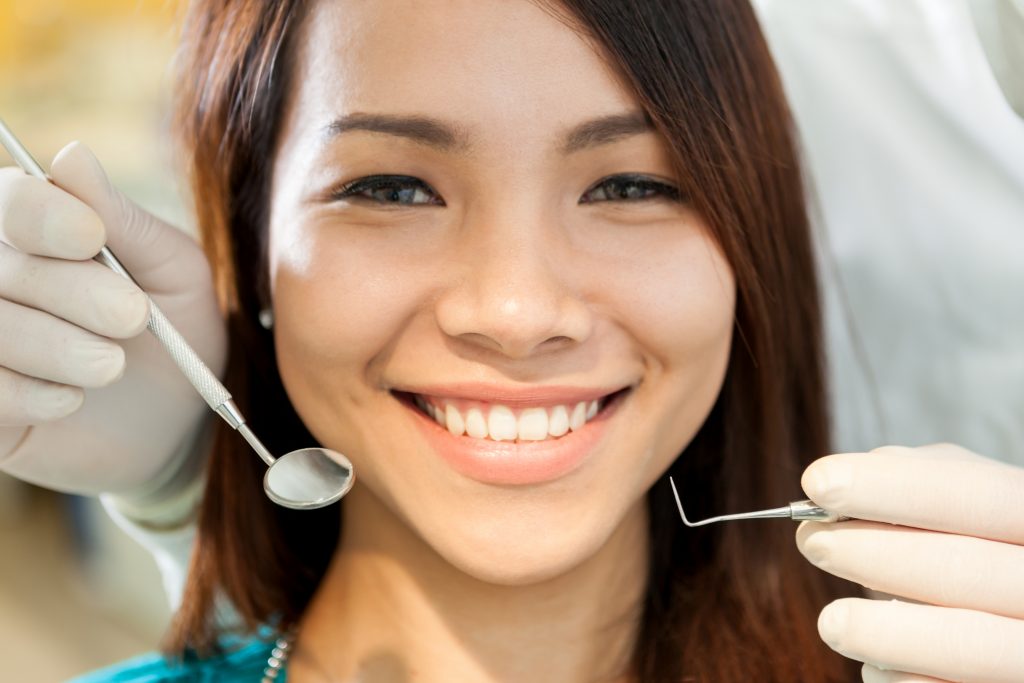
<point x="303" y="479"/>
<point x="799" y="510"/>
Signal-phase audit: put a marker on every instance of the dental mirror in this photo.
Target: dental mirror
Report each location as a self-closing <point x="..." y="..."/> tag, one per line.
<point x="302" y="480"/>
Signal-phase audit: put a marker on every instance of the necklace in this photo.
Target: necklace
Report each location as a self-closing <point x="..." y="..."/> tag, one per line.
<point x="283" y="648"/>
<point x="278" y="657"/>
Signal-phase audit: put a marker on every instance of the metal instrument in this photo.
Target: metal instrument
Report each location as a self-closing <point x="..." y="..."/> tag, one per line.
<point x="303" y="479"/>
<point x="799" y="510"/>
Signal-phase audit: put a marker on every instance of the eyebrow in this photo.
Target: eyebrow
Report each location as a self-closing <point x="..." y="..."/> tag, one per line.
<point x="448" y="137"/>
<point x="606" y="129"/>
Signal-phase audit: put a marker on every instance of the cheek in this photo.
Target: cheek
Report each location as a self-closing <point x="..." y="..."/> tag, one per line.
<point x="693" y="318"/>
<point x="341" y="297"/>
<point x="337" y="307"/>
<point x="677" y="299"/>
<point x="681" y="312"/>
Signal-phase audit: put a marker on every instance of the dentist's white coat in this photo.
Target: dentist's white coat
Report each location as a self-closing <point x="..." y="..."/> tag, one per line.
<point x="917" y="160"/>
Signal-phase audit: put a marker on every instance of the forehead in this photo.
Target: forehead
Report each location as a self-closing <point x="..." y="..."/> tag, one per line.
<point x="495" y="66"/>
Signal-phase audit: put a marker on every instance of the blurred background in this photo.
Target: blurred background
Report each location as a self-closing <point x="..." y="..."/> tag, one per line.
<point x="76" y="593"/>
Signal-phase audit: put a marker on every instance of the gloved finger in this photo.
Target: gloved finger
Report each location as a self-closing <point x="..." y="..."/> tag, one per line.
<point x="970" y="496"/>
<point x="870" y="674"/>
<point x="27" y="400"/>
<point x="928" y="566"/>
<point x="85" y="293"/>
<point x="944" y="642"/>
<point x="39" y="218"/>
<point x="37" y="344"/>
<point x="149" y="248"/>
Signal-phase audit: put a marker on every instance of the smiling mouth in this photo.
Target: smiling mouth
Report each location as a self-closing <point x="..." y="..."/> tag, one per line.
<point x="497" y="422"/>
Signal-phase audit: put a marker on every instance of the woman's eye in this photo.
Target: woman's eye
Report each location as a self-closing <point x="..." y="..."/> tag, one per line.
<point x="397" y="190"/>
<point x="629" y="188"/>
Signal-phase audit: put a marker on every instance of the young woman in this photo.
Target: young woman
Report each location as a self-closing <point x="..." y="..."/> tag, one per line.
<point x="508" y="211"/>
<point x="524" y="261"/>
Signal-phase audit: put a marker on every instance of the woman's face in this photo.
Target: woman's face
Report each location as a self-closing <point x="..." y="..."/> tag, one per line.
<point x="468" y="206"/>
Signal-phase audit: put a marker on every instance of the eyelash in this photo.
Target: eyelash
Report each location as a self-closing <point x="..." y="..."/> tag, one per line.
<point x="398" y="184"/>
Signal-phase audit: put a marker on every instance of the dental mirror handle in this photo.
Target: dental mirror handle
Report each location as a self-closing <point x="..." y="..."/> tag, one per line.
<point x="185" y="357"/>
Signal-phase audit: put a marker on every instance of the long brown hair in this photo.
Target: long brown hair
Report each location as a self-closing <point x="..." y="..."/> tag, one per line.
<point x="723" y="604"/>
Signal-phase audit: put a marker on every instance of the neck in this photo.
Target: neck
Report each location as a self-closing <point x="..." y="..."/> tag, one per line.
<point x="390" y="609"/>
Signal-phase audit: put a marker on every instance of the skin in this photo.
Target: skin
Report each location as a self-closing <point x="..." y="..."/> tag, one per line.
<point x="509" y="280"/>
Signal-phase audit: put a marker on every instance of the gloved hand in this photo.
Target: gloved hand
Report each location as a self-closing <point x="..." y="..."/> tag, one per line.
<point x="940" y="528"/>
<point x="89" y="401"/>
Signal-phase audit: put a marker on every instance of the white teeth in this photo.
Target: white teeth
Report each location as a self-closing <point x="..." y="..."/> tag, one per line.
<point x="501" y="424"/>
<point x="579" y="416"/>
<point x="454" y="421"/>
<point x="476" y="426"/>
<point x="558" y="424"/>
<point x="439" y="415"/>
<point x="533" y="424"/>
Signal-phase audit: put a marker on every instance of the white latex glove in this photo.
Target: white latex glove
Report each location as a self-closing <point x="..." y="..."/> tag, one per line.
<point x="89" y="401"/>
<point x="946" y="532"/>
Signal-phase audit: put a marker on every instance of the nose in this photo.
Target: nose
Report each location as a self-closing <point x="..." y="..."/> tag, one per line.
<point x="516" y="293"/>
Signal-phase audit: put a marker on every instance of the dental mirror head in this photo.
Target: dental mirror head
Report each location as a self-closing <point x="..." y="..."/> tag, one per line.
<point x="305" y="479"/>
<point x="302" y="480"/>
<point x="308" y="478"/>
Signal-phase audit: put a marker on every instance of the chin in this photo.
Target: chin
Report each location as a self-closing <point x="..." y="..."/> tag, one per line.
<point x="522" y="564"/>
<point x="527" y="547"/>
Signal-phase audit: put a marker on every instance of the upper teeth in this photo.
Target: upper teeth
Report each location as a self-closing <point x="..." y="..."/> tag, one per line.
<point x="501" y="423"/>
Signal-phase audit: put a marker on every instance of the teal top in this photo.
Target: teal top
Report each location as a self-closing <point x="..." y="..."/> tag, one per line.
<point x="243" y="662"/>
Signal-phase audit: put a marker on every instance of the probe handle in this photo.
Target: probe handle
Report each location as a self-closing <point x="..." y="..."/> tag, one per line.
<point x="801" y="510"/>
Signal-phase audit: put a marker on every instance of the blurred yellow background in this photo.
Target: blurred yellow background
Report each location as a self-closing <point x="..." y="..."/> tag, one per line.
<point x="75" y="593"/>
<point x="98" y="71"/>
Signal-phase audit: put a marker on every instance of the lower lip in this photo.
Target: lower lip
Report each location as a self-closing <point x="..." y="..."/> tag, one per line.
<point x="515" y="463"/>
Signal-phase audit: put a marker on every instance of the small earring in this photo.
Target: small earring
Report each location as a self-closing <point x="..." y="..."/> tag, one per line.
<point x="266" y="318"/>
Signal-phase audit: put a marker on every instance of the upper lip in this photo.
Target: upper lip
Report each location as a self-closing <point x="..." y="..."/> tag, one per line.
<point x="514" y="397"/>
